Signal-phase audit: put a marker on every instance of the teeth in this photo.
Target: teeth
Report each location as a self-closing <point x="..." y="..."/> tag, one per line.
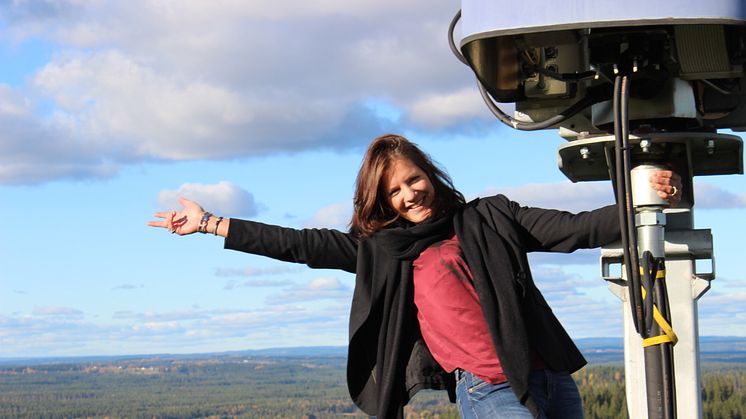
<point x="417" y="205"/>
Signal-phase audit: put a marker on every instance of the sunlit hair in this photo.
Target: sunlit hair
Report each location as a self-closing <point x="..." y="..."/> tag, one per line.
<point x="372" y="211"/>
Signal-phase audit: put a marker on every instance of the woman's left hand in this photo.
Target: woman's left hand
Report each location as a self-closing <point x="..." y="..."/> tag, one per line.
<point x="668" y="186"/>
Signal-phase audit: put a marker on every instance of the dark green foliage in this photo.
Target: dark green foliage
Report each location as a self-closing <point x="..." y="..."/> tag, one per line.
<point x="602" y="391"/>
<point x="723" y="391"/>
<point x="276" y="387"/>
<point x="179" y="389"/>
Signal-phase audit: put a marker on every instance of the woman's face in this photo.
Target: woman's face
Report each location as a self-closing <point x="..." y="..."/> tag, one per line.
<point x="409" y="191"/>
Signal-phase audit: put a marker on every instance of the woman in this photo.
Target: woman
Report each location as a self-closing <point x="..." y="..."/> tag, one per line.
<point x="444" y="298"/>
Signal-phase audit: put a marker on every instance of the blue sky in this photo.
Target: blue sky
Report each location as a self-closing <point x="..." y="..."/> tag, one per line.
<point x="110" y="110"/>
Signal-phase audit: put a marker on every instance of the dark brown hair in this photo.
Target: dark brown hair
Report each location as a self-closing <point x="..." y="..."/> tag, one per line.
<point x="371" y="210"/>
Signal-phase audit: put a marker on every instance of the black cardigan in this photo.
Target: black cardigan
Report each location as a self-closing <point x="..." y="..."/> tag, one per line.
<point x="495" y="234"/>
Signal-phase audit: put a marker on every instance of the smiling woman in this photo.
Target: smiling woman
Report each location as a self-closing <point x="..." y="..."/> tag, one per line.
<point x="444" y="297"/>
<point x="398" y="180"/>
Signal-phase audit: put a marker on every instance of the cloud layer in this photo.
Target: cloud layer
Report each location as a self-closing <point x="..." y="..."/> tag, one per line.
<point x="142" y="80"/>
<point x="589" y="195"/>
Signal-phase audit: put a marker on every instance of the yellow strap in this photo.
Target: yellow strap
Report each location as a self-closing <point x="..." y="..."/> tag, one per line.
<point x="661" y="274"/>
<point x="668" y="334"/>
<point x="655" y="340"/>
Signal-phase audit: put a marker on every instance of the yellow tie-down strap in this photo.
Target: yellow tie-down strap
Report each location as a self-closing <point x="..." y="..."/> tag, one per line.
<point x="668" y="333"/>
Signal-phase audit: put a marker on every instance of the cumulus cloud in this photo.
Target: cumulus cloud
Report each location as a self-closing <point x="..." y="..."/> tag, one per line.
<point x="142" y="80"/>
<point x="34" y="150"/>
<point x="223" y="198"/>
<point x="332" y="216"/>
<point x="442" y="109"/>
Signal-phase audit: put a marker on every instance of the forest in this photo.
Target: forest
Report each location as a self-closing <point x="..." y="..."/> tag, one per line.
<point x="275" y="387"/>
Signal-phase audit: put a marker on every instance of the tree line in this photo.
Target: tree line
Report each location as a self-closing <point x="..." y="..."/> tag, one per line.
<point x="291" y="387"/>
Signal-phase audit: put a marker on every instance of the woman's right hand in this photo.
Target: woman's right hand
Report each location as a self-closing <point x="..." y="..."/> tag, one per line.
<point x="181" y="222"/>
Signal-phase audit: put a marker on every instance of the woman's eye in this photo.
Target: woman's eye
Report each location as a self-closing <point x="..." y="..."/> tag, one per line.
<point x="394" y="193"/>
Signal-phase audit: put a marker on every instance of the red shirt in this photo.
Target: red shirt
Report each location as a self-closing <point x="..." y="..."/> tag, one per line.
<point x="450" y="315"/>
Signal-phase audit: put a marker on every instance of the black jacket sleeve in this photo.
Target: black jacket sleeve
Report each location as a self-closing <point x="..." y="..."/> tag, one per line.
<point x="317" y="248"/>
<point x="551" y="230"/>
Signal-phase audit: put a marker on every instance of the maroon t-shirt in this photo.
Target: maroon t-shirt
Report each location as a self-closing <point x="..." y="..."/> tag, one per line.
<point x="450" y="315"/>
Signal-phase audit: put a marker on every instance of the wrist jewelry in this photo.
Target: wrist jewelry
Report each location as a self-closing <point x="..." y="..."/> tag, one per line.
<point x="217" y="223"/>
<point x="203" y="222"/>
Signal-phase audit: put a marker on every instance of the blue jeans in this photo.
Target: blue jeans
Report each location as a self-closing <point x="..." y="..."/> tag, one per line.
<point x="554" y="392"/>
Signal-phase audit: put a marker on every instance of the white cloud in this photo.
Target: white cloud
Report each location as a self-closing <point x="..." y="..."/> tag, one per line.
<point x="191" y="330"/>
<point x="323" y="288"/>
<point x="34" y="150"/>
<point x="257" y="283"/>
<point x="143" y="80"/>
<point x="56" y="311"/>
<point x="252" y="271"/>
<point x="709" y="196"/>
<point x="589" y="195"/>
<point x="721" y="308"/>
<point x="67" y="331"/>
<point x="109" y="97"/>
<point x="332" y="216"/>
<point x="582" y="314"/>
<point x="223" y="198"/>
<point x="565" y="195"/>
<point x="444" y="108"/>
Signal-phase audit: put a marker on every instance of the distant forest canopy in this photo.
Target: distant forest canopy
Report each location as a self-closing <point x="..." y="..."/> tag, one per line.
<point x="596" y="350"/>
<point x="277" y="387"/>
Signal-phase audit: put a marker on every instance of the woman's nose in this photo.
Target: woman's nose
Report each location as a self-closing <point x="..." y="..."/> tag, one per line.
<point x="408" y="193"/>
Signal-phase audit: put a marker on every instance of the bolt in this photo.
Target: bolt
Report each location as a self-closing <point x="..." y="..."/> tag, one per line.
<point x="585" y="153"/>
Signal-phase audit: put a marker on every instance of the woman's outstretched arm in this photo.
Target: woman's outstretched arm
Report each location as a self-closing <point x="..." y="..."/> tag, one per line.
<point x="317" y="248"/>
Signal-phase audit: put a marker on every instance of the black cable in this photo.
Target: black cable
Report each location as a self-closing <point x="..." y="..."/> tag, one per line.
<point x="649" y="272"/>
<point x="720" y="90"/>
<point x="623" y="207"/>
<point x="565" y="77"/>
<point x="634" y="260"/>
<point x="502" y="116"/>
<point x="668" y="378"/>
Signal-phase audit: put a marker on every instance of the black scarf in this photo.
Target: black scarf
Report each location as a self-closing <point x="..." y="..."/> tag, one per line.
<point x="384" y="334"/>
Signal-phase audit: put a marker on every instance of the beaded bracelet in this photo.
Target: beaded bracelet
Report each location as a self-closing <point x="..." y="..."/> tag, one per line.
<point x="217" y="223"/>
<point x="203" y="222"/>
